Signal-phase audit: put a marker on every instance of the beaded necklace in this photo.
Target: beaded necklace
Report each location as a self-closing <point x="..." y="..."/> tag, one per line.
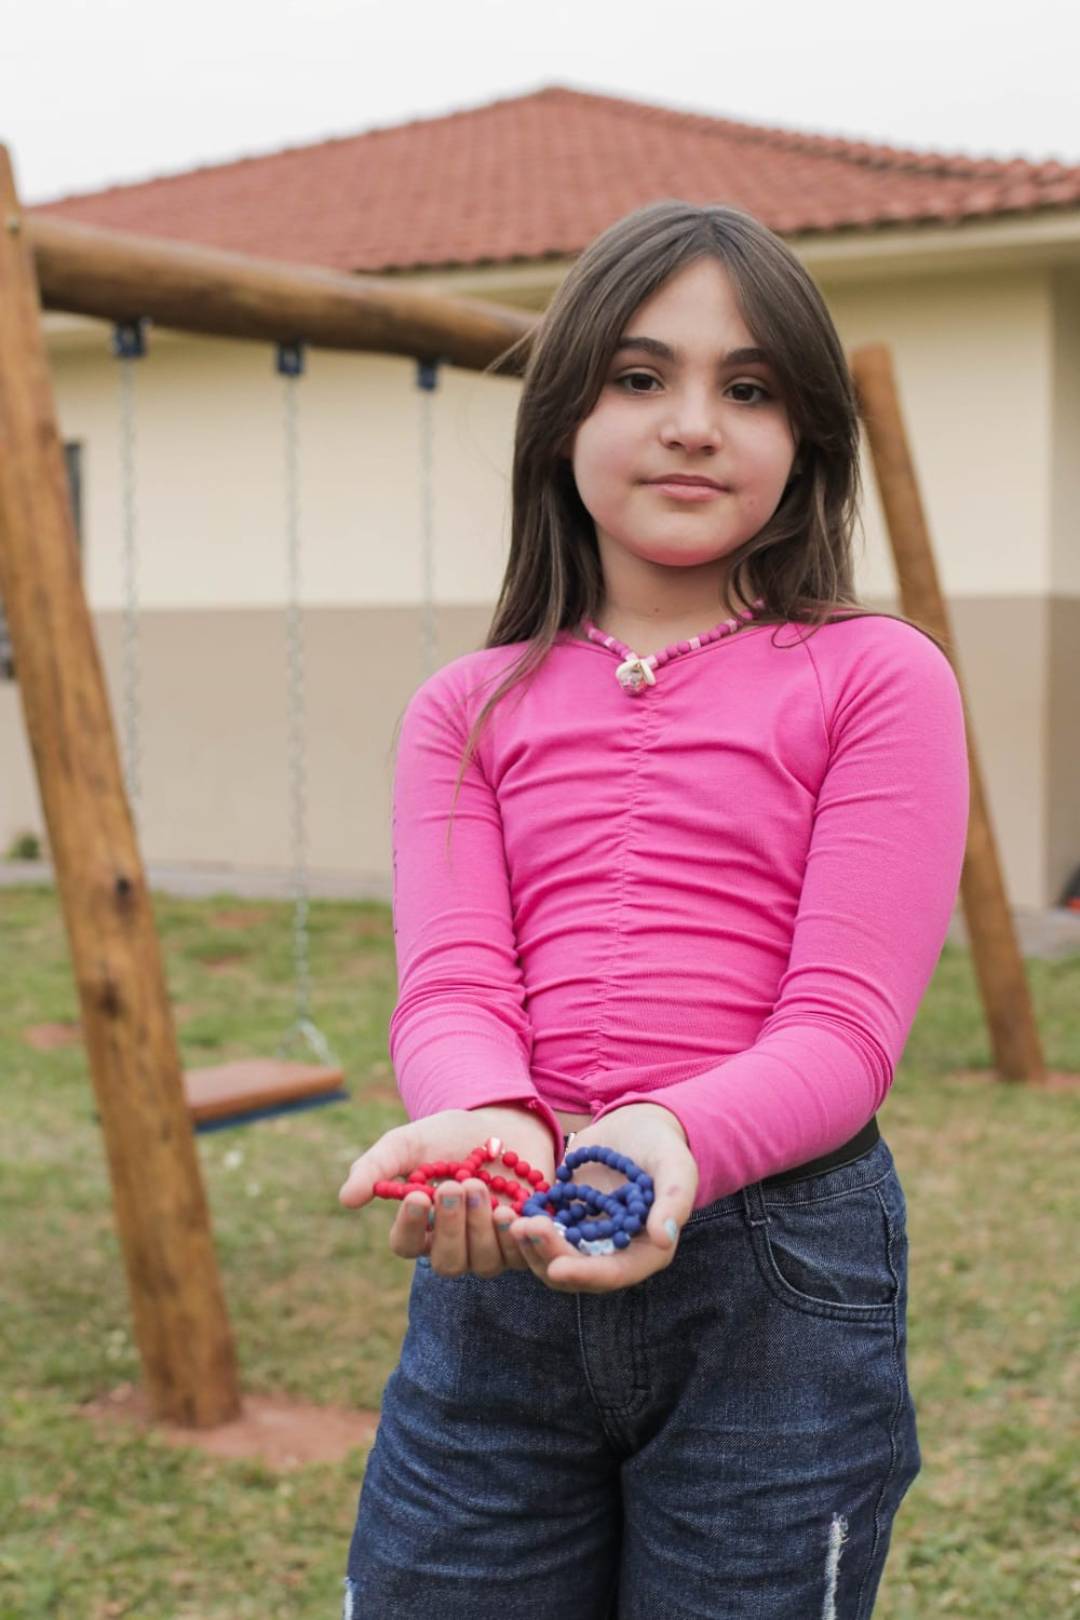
<point x="592" y="1221"/>
<point x="634" y="674"/>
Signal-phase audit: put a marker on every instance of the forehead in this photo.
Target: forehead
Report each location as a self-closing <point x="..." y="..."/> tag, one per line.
<point x="695" y="309"/>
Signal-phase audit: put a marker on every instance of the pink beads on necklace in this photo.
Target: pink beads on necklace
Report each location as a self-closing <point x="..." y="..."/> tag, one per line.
<point x="634" y="674"/>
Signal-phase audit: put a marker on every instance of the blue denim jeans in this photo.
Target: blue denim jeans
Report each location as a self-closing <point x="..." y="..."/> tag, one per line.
<point x="729" y="1440"/>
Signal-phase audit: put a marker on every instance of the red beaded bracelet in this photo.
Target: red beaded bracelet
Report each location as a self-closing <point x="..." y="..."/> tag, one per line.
<point x="426" y="1176"/>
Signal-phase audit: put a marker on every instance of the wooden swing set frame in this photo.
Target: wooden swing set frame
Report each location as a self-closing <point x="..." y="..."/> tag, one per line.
<point x="180" y="1319"/>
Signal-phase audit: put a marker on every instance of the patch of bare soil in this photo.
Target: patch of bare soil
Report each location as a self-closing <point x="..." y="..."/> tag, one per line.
<point x="1056" y="1079"/>
<point x="240" y="917"/>
<point x="369" y="925"/>
<point x="381" y="1094"/>
<point x="47" y="1037"/>
<point x="273" y="1429"/>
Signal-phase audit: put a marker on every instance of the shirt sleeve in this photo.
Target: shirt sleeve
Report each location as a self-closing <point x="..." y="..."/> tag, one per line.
<point x="882" y="874"/>
<point x="459" y="1035"/>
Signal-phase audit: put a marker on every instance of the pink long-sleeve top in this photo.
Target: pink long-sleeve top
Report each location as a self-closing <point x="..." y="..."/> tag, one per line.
<point x="726" y="894"/>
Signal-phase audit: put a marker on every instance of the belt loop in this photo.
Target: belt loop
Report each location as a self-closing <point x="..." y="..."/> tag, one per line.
<point x="754" y="1203"/>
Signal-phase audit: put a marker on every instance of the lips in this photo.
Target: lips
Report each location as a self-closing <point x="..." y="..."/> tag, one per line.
<point x="685" y="478"/>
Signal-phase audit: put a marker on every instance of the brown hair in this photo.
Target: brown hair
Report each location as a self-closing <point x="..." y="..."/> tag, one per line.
<point x="800" y="562"/>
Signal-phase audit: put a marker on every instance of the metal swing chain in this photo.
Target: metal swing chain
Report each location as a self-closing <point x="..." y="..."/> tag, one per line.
<point x="427" y="379"/>
<point x="129" y="345"/>
<point x="290" y="366"/>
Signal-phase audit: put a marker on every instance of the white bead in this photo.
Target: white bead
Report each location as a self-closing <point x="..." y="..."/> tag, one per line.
<point x="635" y="673"/>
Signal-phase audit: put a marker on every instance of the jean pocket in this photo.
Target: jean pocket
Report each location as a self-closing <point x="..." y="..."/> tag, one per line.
<point x="838" y="1253"/>
<point x="439" y="1330"/>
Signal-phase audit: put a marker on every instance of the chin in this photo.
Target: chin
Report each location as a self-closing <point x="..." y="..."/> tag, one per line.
<point x="687" y="556"/>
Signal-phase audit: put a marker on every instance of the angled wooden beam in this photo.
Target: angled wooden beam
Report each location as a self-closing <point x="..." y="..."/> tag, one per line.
<point x="181" y="1326"/>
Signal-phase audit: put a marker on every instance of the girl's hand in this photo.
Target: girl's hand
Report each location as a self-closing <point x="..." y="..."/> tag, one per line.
<point x="466" y="1234"/>
<point x="654" y="1139"/>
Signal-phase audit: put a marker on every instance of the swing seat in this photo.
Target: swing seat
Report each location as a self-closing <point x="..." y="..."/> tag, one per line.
<point x="253" y="1088"/>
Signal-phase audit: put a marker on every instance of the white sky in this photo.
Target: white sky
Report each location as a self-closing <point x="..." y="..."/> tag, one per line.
<point x="96" y="93"/>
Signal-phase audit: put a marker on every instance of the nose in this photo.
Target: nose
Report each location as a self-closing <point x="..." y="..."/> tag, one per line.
<point x="692" y="422"/>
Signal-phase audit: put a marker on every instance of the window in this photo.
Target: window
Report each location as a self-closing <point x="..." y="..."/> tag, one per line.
<point x="73" y="463"/>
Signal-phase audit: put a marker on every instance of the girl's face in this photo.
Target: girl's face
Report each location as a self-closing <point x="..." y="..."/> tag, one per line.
<point x="678" y="400"/>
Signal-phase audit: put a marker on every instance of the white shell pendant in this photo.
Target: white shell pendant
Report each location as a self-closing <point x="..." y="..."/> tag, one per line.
<point x="635" y="674"/>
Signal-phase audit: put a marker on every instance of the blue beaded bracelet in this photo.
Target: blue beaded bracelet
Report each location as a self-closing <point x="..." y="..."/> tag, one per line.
<point x="596" y="1222"/>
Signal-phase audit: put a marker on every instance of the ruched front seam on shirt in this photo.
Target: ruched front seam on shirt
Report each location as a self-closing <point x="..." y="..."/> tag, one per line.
<point x="726" y="893"/>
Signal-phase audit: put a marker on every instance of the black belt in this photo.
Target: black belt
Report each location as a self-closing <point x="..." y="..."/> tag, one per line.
<point x="859" y="1144"/>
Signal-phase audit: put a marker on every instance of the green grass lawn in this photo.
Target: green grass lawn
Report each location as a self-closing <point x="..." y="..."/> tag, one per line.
<point x="110" y="1523"/>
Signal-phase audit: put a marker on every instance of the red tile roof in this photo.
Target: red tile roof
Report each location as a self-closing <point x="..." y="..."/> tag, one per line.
<point x="538" y="175"/>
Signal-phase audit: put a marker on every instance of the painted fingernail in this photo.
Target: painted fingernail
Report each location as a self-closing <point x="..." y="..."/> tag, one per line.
<point x="450" y="1201"/>
<point x="474" y="1200"/>
<point x="671" y="1227"/>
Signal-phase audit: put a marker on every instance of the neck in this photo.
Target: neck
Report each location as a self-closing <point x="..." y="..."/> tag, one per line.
<point x="646" y="633"/>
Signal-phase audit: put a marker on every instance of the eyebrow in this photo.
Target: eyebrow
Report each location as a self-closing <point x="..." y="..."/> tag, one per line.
<point x="734" y="357"/>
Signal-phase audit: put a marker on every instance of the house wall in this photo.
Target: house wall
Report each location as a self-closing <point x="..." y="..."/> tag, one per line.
<point x="973" y="362"/>
<point x="1063" y="673"/>
<point x="210" y="458"/>
<point x="212" y="580"/>
<point x="985" y="408"/>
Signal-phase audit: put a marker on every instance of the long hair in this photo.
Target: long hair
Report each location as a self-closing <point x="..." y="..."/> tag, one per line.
<point x="800" y="563"/>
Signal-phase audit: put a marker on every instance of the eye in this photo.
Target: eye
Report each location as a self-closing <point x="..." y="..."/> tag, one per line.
<point x="639" y="376"/>
<point x="758" y="388"/>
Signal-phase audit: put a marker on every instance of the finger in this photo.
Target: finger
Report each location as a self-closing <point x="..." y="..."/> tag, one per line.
<point x="604" y="1273"/>
<point x="481" y="1241"/>
<point x="670" y="1212"/>
<point x="504" y="1219"/>
<point x="526" y="1234"/>
<point x="601" y="1274"/>
<point x="410" y="1235"/>
<point x="393" y="1155"/>
<point x="449" y="1256"/>
<point x="540" y="1242"/>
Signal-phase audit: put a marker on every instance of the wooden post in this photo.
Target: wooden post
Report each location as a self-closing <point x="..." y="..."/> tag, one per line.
<point x="999" y="966"/>
<point x="181" y="1326"/>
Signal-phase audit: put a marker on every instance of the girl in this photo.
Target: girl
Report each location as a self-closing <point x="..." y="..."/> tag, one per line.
<point x="674" y="858"/>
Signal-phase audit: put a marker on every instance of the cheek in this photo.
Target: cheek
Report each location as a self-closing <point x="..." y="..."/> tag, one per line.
<point x="601" y="451"/>
<point x="769" y="459"/>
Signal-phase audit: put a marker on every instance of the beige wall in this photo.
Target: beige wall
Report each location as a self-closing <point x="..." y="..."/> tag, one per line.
<point x="1065" y="442"/>
<point x="989" y="369"/>
<point x="972" y="357"/>
<point x="1063" y="711"/>
<point x="215" y="783"/>
<point x="211" y="467"/>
